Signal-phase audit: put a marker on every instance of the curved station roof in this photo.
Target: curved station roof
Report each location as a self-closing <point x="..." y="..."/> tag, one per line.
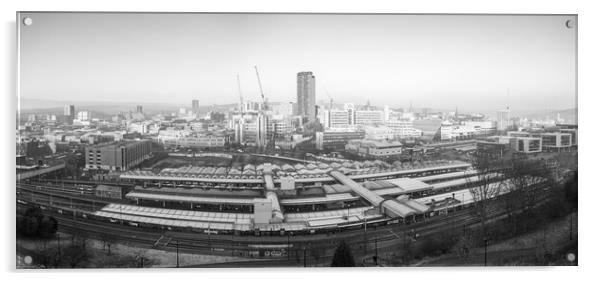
<point x="251" y="174"/>
<point x="339" y="194"/>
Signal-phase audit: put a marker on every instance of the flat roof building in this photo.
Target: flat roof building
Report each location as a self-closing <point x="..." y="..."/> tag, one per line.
<point x="555" y="140"/>
<point x="306" y="95"/>
<point x="337" y="139"/>
<point x="374" y="149"/>
<point x="368" y="117"/>
<point x="117" y="156"/>
<point x="334" y="118"/>
<point x="503" y="120"/>
<point x="573" y="133"/>
<point x="526" y="144"/>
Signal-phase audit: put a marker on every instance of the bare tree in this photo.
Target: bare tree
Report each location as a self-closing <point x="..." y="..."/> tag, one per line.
<point x="75" y="255"/>
<point x="82" y="240"/>
<point x="45" y="255"/>
<point x="465" y="246"/>
<point x="524" y="178"/>
<point x="406" y="247"/>
<point x="143" y="259"/>
<point x="522" y="189"/>
<point x="486" y="186"/>
<point x="106" y="239"/>
<point x="118" y="261"/>
<point x="316" y="253"/>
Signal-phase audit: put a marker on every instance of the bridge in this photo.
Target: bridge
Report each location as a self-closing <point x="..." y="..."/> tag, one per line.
<point x="41" y="171"/>
<point x="392" y="208"/>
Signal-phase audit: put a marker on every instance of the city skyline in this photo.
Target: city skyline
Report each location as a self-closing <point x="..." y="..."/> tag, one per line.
<point x="534" y="55"/>
<point x="184" y="140"/>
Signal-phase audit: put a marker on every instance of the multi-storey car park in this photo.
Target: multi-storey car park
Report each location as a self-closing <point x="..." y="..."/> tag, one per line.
<point x="291" y="198"/>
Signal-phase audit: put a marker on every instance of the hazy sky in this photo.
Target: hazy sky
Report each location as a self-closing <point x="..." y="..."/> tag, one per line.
<point x="435" y="61"/>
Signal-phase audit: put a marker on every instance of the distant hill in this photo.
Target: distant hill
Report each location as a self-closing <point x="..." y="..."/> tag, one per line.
<point x="569" y="115"/>
<point x="29" y="106"/>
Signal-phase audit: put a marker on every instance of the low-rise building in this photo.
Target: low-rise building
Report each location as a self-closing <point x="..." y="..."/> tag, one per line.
<point x="204" y="140"/>
<point x="556" y="140"/>
<point x="334" y="118"/>
<point x="402" y="128"/>
<point x="379" y="132"/>
<point x="573" y="133"/>
<point x="526" y="144"/>
<point x="196" y="140"/>
<point x="368" y="117"/>
<point x="110" y="191"/>
<point x="466" y="130"/>
<point x="492" y="149"/>
<point x="280" y="125"/>
<point x="373" y="148"/>
<point x="336" y="139"/>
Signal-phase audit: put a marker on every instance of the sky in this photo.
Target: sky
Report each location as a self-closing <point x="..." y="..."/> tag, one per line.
<point x="474" y="62"/>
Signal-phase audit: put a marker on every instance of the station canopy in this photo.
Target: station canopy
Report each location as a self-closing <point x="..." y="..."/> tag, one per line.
<point x="409" y="185"/>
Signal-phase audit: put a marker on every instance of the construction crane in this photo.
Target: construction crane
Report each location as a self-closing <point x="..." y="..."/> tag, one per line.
<point x="241" y="105"/>
<point x="263" y="100"/>
<point x="264" y="107"/>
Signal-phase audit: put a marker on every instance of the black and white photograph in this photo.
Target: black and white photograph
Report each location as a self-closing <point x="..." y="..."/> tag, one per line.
<point x="261" y="140"/>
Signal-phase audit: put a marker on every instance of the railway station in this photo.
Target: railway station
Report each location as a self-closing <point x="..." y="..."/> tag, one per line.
<point x="273" y="198"/>
<point x="289" y="197"/>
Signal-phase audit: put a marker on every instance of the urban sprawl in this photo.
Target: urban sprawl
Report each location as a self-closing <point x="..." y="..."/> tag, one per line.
<point x="261" y="168"/>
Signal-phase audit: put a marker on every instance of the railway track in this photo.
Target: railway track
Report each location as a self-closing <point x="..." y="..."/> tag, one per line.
<point x="237" y="245"/>
<point x="366" y="240"/>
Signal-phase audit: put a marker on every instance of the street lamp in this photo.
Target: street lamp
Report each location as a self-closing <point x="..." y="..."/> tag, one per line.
<point x="304" y="256"/>
<point x="486" y="241"/>
<point x="288" y="247"/>
<point x="571" y="228"/>
<point x="348" y="205"/>
<point x="177" y="253"/>
<point x="376" y="250"/>
<point x="365" y="236"/>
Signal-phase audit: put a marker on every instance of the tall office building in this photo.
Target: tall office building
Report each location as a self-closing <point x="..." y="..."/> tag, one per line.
<point x="503" y="120"/>
<point x="306" y="95"/>
<point x="69" y="110"/>
<point x="69" y="113"/>
<point x="195" y="106"/>
<point x="139" y="108"/>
